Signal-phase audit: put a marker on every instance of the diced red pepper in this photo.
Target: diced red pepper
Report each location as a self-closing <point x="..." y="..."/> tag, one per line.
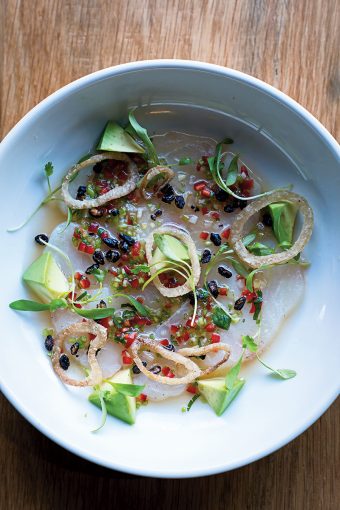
<point x="134" y="283"/>
<point x="142" y="397"/>
<point x="199" y="186"/>
<point x="76" y="233"/>
<point x="89" y="249"/>
<point x="215" y="215"/>
<point x="204" y="235"/>
<point x="206" y="193"/>
<point x="210" y="327"/>
<point x="225" y="233"/>
<point x="191" y="388"/>
<point x="186" y="336"/>
<point x="204" y="210"/>
<point x="174" y="329"/>
<point x="223" y="291"/>
<point x="77" y="276"/>
<point x="215" y="338"/>
<point x="189" y="322"/>
<point x="164" y="342"/>
<point x="84" y="283"/>
<point x="130" y="338"/>
<point x="136" y="249"/>
<point x="82" y="246"/>
<point x="126" y="358"/>
<point x="167" y="372"/>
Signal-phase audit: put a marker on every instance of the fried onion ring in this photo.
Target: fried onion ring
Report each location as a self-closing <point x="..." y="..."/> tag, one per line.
<point x="200" y="351"/>
<point x="158" y="170"/>
<point x="183" y="236"/>
<point x="117" y="192"/>
<point x="152" y="345"/>
<point x="79" y="328"/>
<point x="237" y="231"/>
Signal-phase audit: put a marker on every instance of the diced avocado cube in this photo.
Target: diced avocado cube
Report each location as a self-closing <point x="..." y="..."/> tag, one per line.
<point x="216" y="393"/>
<point x="45" y="278"/>
<point x="283" y="216"/>
<point x="115" y="139"/>
<point x="171" y="247"/>
<point x="117" y="404"/>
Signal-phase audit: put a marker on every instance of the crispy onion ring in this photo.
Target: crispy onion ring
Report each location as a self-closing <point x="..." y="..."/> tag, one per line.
<point x="78" y="328"/>
<point x="150" y="174"/>
<point x="199" y="351"/>
<point x="255" y="261"/>
<point x="117" y="192"/>
<point x="152" y="345"/>
<point x="183" y="236"/>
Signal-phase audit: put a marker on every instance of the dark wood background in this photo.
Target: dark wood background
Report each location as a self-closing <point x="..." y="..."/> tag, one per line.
<point x="291" y="44"/>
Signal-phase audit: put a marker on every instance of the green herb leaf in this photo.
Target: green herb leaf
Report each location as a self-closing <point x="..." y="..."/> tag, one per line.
<point x="239" y="268"/>
<point x="142" y="310"/>
<point x="249" y="238"/>
<point x="49" y="169"/>
<point x="26" y="305"/>
<point x="185" y="161"/>
<point x="99" y="274"/>
<point x="141" y="133"/>
<point x="220" y="318"/>
<point x="249" y="343"/>
<point x="95" y="313"/>
<point x="192" y="401"/>
<point x="260" y="249"/>
<point x="141" y="268"/>
<point x="69" y="219"/>
<point x="283" y="373"/>
<point x="232" y="375"/>
<point x="232" y="171"/>
<point x="130" y="390"/>
<point x="103" y="408"/>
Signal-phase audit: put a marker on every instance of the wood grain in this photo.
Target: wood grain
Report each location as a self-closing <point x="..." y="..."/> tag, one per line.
<point x="293" y="45"/>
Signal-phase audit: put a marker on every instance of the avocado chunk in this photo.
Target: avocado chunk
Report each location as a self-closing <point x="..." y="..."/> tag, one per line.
<point x="115" y="139"/>
<point x="217" y="395"/>
<point x="283" y="215"/>
<point x="45" y="278"/>
<point x="118" y="405"/>
<point x="171" y="247"/>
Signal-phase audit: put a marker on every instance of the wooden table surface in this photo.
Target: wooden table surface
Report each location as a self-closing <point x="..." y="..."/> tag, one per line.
<point x="292" y="45"/>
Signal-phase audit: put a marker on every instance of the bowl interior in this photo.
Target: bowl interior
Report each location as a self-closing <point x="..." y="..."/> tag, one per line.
<point x="282" y="144"/>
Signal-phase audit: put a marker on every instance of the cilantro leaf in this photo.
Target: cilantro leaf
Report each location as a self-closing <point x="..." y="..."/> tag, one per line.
<point x="283" y="373"/>
<point x="220" y="318"/>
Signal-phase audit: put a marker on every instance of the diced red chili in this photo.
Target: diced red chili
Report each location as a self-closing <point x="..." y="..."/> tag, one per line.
<point x="174" y="329"/>
<point x="84" y="283"/>
<point x="126" y="358"/>
<point x="82" y="247"/>
<point x="204" y="210"/>
<point x="167" y="372"/>
<point x="223" y="291"/>
<point x="164" y="342"/>
<point x="89" y="249"/>
<point x="206" y="193"/>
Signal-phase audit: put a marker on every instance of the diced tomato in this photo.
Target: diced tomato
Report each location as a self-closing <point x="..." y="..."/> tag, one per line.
<point x="210" y="327"/>
<point x="142" y="397"/>
<point x="191" y="388"/>
<point x="84" y="283"/>
<point x="199" y="186"/>
<point x="134" y="283"/>
<point x="174" y="329"/>
<point x="164" y="342"/>
<point x="127" y="269"/>
<point x="167" y="372"/>
<point x="225" y="233"/>
<point x="186" y="336"/>
<point x="204" y="235"/>
<point x="77" y="276"/>
<point x="215" y="338"/>
<point x="136" y="249"/>
<point x="223" y="291"/>
<point x="89" y="249"/>
<point x="76" y="233"/>
<point x="126" y="358"/>
<point x="204" y="210"/>
<point x="189" y="323"/>
<point x="215" y="215"/>
<point x="82" y="246"/>
<point x="130" y="338"/>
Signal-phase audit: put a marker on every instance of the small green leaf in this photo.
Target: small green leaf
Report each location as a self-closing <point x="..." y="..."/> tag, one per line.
<point x="249" y="238"/>
<point x="192" y="401"/>
<point x="26" y="305"/>
<point x="283" y="373"/>
<point x="99" y="274"/>
<point x="239" y="268"/>
<point x="141" y="268"/>
<point x="130" y="390"/>
<point x="232" y="171"/>
<point x="185" y="161"/>
<point x="249" y="343"/>
<point x="49" y="169"/>
<point x="220" y="318"/>
<point x="232" y="375"/>
<point x="260" y="249"/>
<point x="95" y="313"/>
<point x="142" y="310"/>
<point x="142" y="134"/>
<point x="55" y="304"/>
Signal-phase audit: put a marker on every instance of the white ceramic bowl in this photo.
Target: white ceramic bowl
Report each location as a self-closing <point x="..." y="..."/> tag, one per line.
<point x="286" y="145"/>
